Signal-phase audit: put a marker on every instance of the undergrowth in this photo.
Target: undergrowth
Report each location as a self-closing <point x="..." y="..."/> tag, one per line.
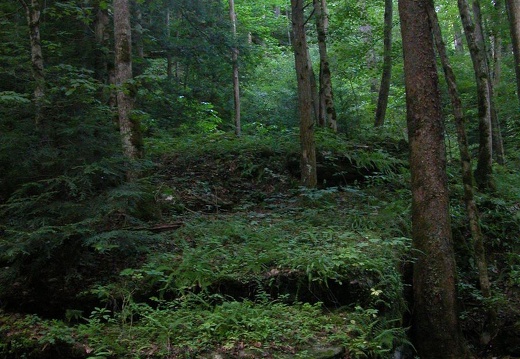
<point x="254" y="266"/>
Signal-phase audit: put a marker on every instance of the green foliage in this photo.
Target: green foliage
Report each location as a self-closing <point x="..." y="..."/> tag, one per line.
<point x="63" y="190"/>
<point x="12" y="98"/>
<point x="372" y="337"/>
<point x="269" y="96"/>
<point x="27" y="336"/>
<point x="70" y="223"/>
<point x="237" y="250"/>
<point x="196" y="323"/>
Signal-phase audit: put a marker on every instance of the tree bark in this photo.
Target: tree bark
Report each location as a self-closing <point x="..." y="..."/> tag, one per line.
<point x="384" y="89"/>
<point x="457" y="38"/>
<point x="465" y="157"/>
<point x="368" y="38"/>
<point x="314" y="91"/>
<point x="101" y="36"/>
<point x="435" y="326"/>
<point x="495" y="72"/>
<point x="513" y="10"/>
<point x="32" y="13"/>
<point x="308" y="146"/>
<point x="484" y="171"/>
<point x="234" y="59"/>
<point x="327" y="112"/>
<point x="138" y="40"/>
<point x="128" y="126"/>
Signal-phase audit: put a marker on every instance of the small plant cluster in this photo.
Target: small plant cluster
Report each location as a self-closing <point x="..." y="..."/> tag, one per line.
<point x="32" y="337"/>
<point x="198" y="324"/>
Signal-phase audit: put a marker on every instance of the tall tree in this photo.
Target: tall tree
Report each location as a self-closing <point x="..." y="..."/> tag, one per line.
<point x="234" y="59"/>
<point x="368" y="38"/>
<point x="494" y="73"/>
<point x="33" y="14"/>
<point x="128" y="126"/>
<point x="101" y="35"/>
<point x="384" y="89"/>
<point x="457" y="37"/>
<point x="484" y="171"/>
<point x="327" y="112"/>
<point x="513" y="11"/>
<point x="308" y="146"/>
<point x="496" y="136"/>
<point x="436" y="330"/>
<point x="465" y="161"/>
<point x="315" y="96"/>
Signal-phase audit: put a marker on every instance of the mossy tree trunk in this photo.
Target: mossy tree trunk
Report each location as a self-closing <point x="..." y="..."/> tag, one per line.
<point x="435" y="326"/>
<point x="484" y="171"/>
<point x="314" y="91"/>
<point x="384" y="89"/>
<point x="457" y="38"/>
<point x="495" y="74"/>
<point x="307" y="142"/>
<point x="128" y="126"/>
<point x="33" y="13"/>
<point x="513" y="11"/>
<point x="234" y="59"/>
<point x="467" y="175"/>
<point x="327" y="112"/>
<point x="101" y="35"/>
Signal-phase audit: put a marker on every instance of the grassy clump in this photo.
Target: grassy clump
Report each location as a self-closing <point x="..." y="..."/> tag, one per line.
<point x="194" y="326"/>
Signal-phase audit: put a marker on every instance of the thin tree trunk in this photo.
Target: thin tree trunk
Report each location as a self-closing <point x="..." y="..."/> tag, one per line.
<point x="101" y="35"/>
<point x="465" y="157"/>
<point x="314" y="91"/>
<point x="513" y="11"/>
<point x="308" y="146"/>
<point x="128" y="126"/>
<point x="32" y="13"/>
<point x="139" y="41"/>
<point x="169" y="59"/>
<point x="484" y="171"/>
<point x="384" y="89"/>
<point x="495" y="72"/>
<point x="234" y="59"/>
<point x="289" y="26"/>
<point x="277" y="11"/>
<point x="457" y="38"/>
<point x="435" y="326"/>
<point x="327" y="112"/>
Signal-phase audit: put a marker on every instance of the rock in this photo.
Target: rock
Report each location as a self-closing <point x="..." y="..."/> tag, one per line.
<point x="315" y="352"/>
<point x="326" y="352"/>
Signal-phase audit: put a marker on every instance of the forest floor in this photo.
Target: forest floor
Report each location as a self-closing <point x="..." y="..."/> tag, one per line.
<point x="236" y="260"/>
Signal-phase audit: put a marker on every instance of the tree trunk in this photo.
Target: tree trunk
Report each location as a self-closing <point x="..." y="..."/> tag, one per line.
<point x="138" y="66"/>
<point x="457" y="38"/>
<point x="484" y="171"/>
<point x="367" y="37"/>
<point x="308" y="147"/>
<point x="435" y="326"/>
<point x="467" y="176"/>
<point x="234" y="59"/>
<point x="101" y="35"/>
<point x="32" y="13"/>
<point x="128" y="126"/>
<point x="314" y="92"/>
<point x="495" y="72"/>
<point x="384" y="89"/>
<point x="513" y="10"/>
<point x="169" y="57"/>
<point x="327" y="112"/>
